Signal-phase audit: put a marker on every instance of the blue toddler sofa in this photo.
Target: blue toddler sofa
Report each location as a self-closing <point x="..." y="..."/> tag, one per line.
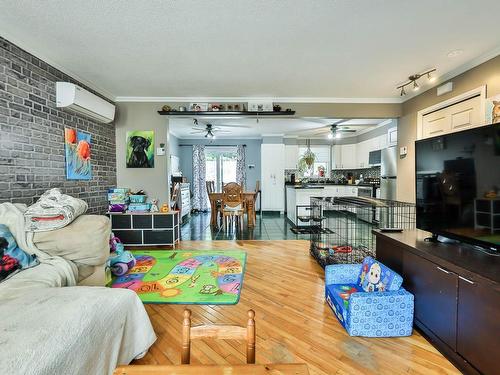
<point x="368" y="299"/>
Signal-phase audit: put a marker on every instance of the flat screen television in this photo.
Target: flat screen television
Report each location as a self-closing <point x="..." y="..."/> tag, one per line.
<point x="458" y="186"/>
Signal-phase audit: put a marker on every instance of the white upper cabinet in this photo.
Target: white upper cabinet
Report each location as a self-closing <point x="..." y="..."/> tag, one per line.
<point x="348" y="157"/>
<point x="336" y="157"/>
<point x="392" y="137"/>
<point x="459" y="113"/>
<point x="450" y="119"/>
<point x="291" y="156"/>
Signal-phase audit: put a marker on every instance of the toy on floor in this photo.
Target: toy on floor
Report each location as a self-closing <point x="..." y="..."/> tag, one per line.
<point x="120" y="260"/>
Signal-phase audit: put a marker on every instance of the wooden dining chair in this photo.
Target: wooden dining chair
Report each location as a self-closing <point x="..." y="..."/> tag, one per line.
<point x="232" y="205"/>
<point x="210" y="186"/>
<point x="219" y="332"/>
<point x="257" y="193"/>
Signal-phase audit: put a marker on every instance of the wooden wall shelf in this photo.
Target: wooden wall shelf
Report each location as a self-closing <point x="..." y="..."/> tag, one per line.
<point x="224" y="113"/>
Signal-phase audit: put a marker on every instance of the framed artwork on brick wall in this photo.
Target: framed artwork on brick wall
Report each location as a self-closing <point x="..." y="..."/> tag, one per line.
<point x="77" y="147"/>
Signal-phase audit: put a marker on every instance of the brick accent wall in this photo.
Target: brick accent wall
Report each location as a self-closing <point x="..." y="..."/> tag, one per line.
<point x="32" y="135"/>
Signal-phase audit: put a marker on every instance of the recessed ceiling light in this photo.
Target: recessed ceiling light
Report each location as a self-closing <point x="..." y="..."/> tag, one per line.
<point x="455" y="53"/>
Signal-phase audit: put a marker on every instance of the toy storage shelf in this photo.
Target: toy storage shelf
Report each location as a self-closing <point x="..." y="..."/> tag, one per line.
<point x="146" y="229"/>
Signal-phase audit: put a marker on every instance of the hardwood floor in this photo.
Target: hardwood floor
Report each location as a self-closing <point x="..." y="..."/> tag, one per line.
<point x="285" y="287"/>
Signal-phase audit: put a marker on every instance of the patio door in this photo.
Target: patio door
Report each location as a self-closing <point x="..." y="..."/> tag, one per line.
<point x="220" y="165"/>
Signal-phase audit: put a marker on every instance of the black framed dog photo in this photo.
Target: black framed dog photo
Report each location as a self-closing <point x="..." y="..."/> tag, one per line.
<point x="140" y="149"/>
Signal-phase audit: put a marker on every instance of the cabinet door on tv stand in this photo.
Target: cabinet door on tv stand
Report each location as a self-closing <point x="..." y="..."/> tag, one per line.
<point x="435" y="291"/>
<point x="390" y="255"/>
<point x="478" y="328"/>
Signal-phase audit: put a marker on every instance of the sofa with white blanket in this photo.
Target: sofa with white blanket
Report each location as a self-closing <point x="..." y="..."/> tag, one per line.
<point x="52" y="326"/>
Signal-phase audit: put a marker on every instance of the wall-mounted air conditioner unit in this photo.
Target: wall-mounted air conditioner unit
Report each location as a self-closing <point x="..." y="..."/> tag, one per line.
<point x="82" y="101"/>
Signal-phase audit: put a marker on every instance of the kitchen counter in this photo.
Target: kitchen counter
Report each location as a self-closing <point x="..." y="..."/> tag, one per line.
<point x="306" y="186"/>
<point x="319" y="185"/>
<point x="300" y="195"/>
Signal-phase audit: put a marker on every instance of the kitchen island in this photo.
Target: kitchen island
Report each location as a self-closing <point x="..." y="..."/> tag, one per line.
<point x="300" y="195"/>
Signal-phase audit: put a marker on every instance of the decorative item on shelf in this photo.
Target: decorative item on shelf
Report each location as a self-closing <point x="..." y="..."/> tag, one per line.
<point x="222" y="107"/>
<point x="413" y="80"/>
<point x="166" y="108"/>
<point x="140" y="149"/>
<point x="276" y="108"/>
<point x="288" y="110"/>
<point x="237" y="107"/>
<point x="260" y="106"/>
<point x="214" y="107"/>
<point x="230" y="107"/>
<point x="198" y="107"/>
<point x="182" y="108"/>
<point x="154" y="206"/>
<point x="493" y="109"/>
<point x="164" y="208"/>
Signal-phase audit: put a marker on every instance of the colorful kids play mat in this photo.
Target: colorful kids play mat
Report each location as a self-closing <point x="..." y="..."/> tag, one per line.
<point x="186" y="277"/>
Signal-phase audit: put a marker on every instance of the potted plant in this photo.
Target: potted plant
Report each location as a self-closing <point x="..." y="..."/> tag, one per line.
<point x="306" y="161"/>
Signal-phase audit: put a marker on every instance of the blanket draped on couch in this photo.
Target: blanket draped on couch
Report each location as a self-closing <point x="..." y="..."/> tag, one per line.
<point x="12" y="215"/>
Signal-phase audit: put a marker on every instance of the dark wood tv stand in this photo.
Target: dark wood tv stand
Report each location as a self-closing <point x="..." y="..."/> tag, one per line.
<point x="457" y="296"/>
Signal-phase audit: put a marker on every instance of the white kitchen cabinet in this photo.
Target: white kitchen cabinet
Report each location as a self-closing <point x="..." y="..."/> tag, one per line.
<point x="291" y="156"/>
<point x="273" y="177"/>
<point x="348" y="156"/>
<point x="337" y="157"/>
<point x="392" y="137"/>
<point x="363" y="152"/>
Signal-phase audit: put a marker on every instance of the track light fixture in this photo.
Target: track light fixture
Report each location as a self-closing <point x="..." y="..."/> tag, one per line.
<point x="413" y="80"/>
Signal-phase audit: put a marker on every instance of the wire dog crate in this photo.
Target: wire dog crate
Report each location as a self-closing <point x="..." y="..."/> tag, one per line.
<point x="350" y="221"/>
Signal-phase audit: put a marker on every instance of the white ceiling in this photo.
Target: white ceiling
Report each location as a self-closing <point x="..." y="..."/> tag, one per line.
<point x="252" y="48"/>
<point x="288" y="127"/>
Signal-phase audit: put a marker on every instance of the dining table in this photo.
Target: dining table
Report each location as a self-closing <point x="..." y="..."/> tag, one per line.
<point x="248" y="198"/>
<point x="269" y="369"/>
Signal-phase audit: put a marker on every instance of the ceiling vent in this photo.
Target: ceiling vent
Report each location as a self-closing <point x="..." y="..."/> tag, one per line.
<point x="69" y="95"/>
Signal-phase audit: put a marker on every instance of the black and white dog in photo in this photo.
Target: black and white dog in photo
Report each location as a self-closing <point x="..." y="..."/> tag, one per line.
<point x="138" y="158"/>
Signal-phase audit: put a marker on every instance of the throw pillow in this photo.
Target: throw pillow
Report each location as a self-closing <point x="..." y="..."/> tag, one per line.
<point x="375" y="277"/>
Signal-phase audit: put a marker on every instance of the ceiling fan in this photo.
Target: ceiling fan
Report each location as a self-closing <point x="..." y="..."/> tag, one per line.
<point x="336" y="131"/>
<point x="209" y="131"/>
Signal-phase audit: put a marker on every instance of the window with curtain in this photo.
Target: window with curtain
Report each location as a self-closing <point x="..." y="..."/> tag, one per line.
<point x="221" y="165"/>
<point x="323" y="159"/>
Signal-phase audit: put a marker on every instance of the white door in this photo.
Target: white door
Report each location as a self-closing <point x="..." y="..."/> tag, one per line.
<point x="273" y="177"/>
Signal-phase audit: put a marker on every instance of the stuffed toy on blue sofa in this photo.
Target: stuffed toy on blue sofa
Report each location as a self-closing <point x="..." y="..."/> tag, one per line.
<point x="368" y="299"/>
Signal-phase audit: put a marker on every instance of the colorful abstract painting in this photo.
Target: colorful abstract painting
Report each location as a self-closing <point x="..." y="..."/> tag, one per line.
<point x="78" y="155"/>
<point x="140" y="149"/>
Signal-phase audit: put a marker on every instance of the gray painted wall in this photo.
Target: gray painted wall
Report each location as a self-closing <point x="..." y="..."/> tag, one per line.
<point x="173" y="142"/>
<point x="142" y="116"/>
<point x="32" y="135"/>
<point x="252" y="156"/>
